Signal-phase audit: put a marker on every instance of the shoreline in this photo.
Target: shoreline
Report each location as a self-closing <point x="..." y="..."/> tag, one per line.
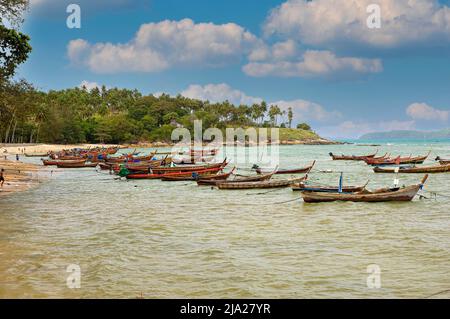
<point x="19" y="176"/>
<point x="25" y="148"/>
<point x="283" y="142"/>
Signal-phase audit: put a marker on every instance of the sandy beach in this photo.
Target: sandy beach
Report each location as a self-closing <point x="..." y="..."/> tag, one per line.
<point x="18" y="176"/>
<point x="32" y="149"/>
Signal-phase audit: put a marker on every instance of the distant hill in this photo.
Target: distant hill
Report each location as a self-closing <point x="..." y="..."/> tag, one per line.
<point x="407" y="135"/>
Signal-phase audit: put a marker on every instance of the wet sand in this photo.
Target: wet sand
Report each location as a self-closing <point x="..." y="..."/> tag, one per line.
<point x="19" y="176"/>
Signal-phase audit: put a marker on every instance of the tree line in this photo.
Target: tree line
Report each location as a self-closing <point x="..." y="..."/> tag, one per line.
<point x="102" y="115"/>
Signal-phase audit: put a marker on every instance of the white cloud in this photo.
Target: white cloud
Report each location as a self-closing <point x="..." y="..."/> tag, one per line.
<point x="306" y="111"/>
<point x="422" y="111"/>
<point x="219" y="93"/>
<point x="315" y="63"/>
<point x="278" y="51"/>
<point x="89" y="85"/>
<point x="77" y="49"/>
<point x="303" y="110"/>
<point x="337" y="23"/>
<point x="159" y="46"/>
<point x="355" y="129"/>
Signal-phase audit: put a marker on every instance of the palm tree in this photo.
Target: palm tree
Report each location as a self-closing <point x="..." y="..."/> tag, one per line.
<point x="290" y="116"/>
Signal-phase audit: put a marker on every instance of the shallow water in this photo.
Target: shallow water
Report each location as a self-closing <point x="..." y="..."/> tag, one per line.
<point x="175" y="239"/>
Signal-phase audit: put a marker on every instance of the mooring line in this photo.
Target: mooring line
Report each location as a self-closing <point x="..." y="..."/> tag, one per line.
<point x="267" y="192"/>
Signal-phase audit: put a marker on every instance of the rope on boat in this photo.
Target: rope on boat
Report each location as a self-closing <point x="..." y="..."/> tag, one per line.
<point x="267" y="192"/>
<point x="435" y="194"/>
<point x="286" y="201"/>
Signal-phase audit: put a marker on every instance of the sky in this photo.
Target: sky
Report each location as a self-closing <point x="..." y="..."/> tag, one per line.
<point x="318" y="57"/>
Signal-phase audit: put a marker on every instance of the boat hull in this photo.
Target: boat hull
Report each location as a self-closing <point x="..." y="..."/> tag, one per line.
<point x="326" y="189"/>
<point x="402" y="195"/>
<point x="257" y="185"/>
<point x="415" y="170"/>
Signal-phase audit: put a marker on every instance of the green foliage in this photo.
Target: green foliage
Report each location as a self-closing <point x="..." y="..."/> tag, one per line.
<point x="304" y="126"/>
<point x="12" y="10"/>
<point x="290" y="116"/>
<point x="111" y="115"/>
<point x="292" y="134"/>
<point x="14" y="46"/>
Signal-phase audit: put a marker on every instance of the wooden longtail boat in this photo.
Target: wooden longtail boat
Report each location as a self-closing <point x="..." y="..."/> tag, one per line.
<point x="139" y="166"/>
<point x="445" y="168"/>
<point x="185" y="174"/>
<point x="290" y="171"/>
<point x="143" y="176"/>
<point x="49" y="162"/>
<point x="212" y="180"/>
<point x="240" y="179"/>
<point x="275" y="183"/>
<point x="442" y="161"/>
<point x="36" y="154"/>
<point x="131" y="159"/>
<point x="351" y="157"/>
<point x="75" y="164"/>
<point x="62" y="162"/>
<point x="105" y="166"/>
<point x="211" y="174"/>
<point x="386" y="155"/>
<point x="187" y="168"/>
<point x="381" y="195"/>
<point x="398" y="160"/>
<point x="302" y="187"/>
<point x="69" y="158"/>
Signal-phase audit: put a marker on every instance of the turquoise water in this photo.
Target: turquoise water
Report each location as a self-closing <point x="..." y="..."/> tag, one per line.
<point x="401" y="141"/>
<point x="175" y="239"/>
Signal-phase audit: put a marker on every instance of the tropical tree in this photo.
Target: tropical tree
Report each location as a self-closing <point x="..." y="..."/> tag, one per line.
<point x="14" y="46"/>
<point x="274" y="111"/>
<point x="304" y="126"/>
<point x="290" y="116"/>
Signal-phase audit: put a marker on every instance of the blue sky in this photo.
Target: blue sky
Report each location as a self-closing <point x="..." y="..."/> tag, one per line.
<point x="318" y="57"/>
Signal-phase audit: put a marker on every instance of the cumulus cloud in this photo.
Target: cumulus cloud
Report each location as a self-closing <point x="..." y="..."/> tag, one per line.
<point x="307" y="111"/>
<point x="337" y="23"/>
<point x="422" y="111"/>
<point x="278" y="51"/>
<point x="355" y="129"/>
<point x="302" y="110"/>
<point x="174" y="44"/>
<point x="315" y="63"/>
<point x="159" y="46"/>
<point x="89" y="85"/>
<point x="219" y="93"/>
<point x="77" y="49"/>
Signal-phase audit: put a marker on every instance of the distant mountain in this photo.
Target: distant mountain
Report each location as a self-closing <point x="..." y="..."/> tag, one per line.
<point x="407" y="135"/>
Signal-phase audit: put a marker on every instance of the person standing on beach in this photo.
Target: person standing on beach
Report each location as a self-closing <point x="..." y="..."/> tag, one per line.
<point x="17" y="157"/>
<point x="2" y="177"/>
